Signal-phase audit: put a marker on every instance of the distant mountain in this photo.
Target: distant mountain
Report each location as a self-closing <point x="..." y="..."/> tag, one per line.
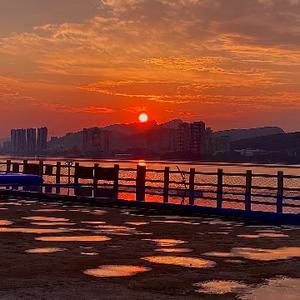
<point x="241" y="134"/>
<point x="277" y="142"/>
<point x="174" y="124"/>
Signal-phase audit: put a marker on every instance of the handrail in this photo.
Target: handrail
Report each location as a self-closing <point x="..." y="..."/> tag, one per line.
<point x="199" y="184"/>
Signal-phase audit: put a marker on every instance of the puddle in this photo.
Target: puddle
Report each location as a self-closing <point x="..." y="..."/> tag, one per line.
<point x="176" y="222"/>
<point x="52" y="223"/>
<point x="93" y="222"/>
<point x="219" y="287"/>
<point x="98" y="212"/>
<point x="189" y="262"/>
<point x="116" y="271"/>
<point x="49" y="219"/>
<point x="86" y="238"/>
<point x="89" y="253"/>
<point x="31" y="230"/>
<point x="118" y="230"/>
<point x="49" y="210"/>
<point x="5" y="223"/>
<point x="234" y="261"/>
<point x="137" y="223"/>
<point x="166" y="242"/>
<point x="277" y="288"/>
<point x="260" y="254"/>
<point x="218" y="254"/>
<point x="174" y="250"/>
<point x="267" y="254"/>
<point x="263" y="235"/>
<point x="45" y="250"/>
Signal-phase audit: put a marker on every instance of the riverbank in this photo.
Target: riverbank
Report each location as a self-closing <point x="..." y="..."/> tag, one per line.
<point x="54" y="251"/>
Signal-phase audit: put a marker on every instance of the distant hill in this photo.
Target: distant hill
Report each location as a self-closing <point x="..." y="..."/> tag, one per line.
<point x="241" y="134"/>
<point x="277" y="142"/>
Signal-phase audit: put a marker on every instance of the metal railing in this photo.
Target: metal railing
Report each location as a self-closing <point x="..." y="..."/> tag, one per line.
<point x="278" y="193"/>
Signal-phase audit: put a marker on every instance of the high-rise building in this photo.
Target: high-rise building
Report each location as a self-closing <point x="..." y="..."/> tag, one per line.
<point x="96" y="141"/>
<point x="31" y="140"/>
<point x="197" y="142"/>
<point x="18" y="141"/>
<point x="42" y="138"/>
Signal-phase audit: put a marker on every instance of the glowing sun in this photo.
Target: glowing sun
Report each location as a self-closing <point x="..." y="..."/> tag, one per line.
<point x="143" y="118"/>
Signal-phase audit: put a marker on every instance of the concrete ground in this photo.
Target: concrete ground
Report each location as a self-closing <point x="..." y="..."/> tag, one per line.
<point x="56" y="250"/>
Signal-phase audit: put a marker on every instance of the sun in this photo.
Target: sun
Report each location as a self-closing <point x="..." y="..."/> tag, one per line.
<point x="143" y="118"/>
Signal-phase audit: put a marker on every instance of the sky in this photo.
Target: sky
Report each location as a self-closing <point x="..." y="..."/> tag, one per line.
<point x="83" y="63"/>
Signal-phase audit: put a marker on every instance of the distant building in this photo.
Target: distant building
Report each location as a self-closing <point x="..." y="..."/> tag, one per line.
<point x="31" y="140"/>
<point x="192" y="139"/>
<point x="42" y="138"/>
<point x="198" y="138"/>
<point x="18" y="141"/>
<point x="222" y="144"/>
<point x="96" y="141"/>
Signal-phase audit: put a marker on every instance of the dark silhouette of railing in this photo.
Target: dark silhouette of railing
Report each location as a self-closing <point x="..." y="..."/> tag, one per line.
<point x="221" y="190"/>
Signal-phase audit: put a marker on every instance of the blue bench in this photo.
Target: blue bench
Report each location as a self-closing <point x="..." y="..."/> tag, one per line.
<point x="20" y="179"/>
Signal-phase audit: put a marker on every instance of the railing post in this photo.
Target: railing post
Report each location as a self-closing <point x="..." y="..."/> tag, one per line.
<point x="95" y="180"/>
<point x="41" y="168"/>
<point x="192" y="187"/>
<point x="140" y="183"/>
<point x="8" y="165"/>
<point x="280" y="187"/>
<point x="25" y="162"/>
<point x="166" y="184"/>
<point x="220" y="188"/>
<point x="116" y="182"/>
<point x="57" y="176"/>
<point x="76" y="179"/>
<point x="248" y="191"/>
<point x="41" y="173"/>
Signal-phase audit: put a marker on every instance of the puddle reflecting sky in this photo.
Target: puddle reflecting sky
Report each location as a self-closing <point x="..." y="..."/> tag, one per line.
<point x="5" y="223"/>
<point x="83" y="238"/>
<point x="45" y="250"/>
<point x="189" y="262"/>
<point x="117" y="230"/>
<point x="49" y="210"/>
<point x="166" y="242"/>
<point x="53" y="223"/>
<point x="137" y="223"/>
<point x="48" y="219"/>
<point x="276" y="288"/>
<point x="260" y="254"/>
<point x="174" y="250"/>
<point x="89" y="253"/>
<point x="116" y="271"/>
<point x="219" y="287"/>
<point x="31" y="230"/>
<point x="263" y="235"/>
<point x="93" y="222"/>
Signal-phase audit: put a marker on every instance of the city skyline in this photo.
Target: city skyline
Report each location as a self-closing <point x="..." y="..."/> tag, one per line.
<point x="77" y="64"/>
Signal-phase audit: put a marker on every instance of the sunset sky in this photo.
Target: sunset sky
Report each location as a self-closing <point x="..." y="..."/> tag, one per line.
<point x="69" y="64"/>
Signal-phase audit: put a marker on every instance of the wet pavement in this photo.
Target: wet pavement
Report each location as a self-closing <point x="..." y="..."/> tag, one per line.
<point x="56" y="250"/>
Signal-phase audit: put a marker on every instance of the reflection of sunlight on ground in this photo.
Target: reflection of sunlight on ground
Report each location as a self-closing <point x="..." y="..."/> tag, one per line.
<point x="48" y="219"/>
<point x="276" y="288"/>
<point x="116" y="271"/>
<point x="219" y="287"/>
<point x="45" y="250"/>
<point x="189" y="262"/>
<point x="260" y="254"/>
<point x="84" y="238"/>
<point x="5" y="223"/>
